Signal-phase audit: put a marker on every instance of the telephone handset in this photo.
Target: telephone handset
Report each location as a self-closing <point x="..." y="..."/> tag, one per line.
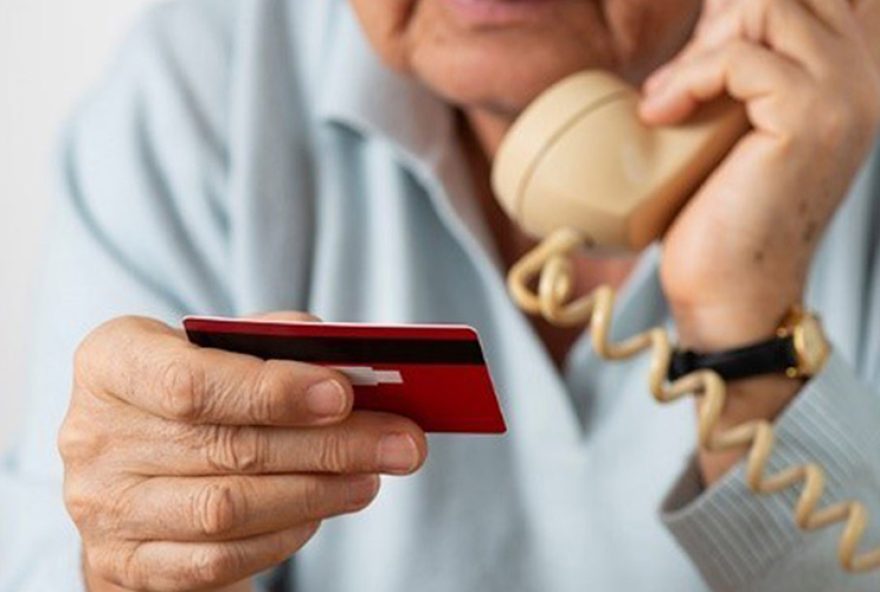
<point x="580" y="157"/>
<point x="578" y="168"/>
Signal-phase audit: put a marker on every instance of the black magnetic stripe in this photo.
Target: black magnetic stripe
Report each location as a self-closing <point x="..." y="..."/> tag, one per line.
<point x="344" y="350"/>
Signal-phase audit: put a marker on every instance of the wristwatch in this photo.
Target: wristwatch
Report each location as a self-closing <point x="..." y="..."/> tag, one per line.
<point x="799" y="349"/>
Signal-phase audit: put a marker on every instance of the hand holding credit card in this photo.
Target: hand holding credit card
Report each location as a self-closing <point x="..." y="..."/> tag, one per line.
<point x="435" y="375"/>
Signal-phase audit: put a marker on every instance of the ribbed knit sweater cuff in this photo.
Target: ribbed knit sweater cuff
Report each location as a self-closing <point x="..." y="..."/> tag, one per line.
<point x="736" y="538"/>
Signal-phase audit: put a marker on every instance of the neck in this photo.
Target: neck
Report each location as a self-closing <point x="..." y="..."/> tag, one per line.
<point x="485" y="130"/>
<point x="480" y="136"/>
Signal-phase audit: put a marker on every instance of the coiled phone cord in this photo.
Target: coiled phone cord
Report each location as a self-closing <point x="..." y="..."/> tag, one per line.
<point x="551" y="264"/>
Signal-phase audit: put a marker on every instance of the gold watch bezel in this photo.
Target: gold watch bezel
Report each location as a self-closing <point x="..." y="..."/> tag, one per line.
<point x="811" y="345"/>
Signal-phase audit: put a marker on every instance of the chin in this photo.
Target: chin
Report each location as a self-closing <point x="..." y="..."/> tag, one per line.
<point x="501" y="73"/>
<point x="498" y="55"/>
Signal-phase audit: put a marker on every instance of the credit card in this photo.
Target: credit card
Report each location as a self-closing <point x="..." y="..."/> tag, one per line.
<point x="435" y="375"/>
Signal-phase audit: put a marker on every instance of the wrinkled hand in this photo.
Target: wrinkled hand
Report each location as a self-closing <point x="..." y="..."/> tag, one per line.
<point x="737" y="257"/>
<point x="189" y="468"/>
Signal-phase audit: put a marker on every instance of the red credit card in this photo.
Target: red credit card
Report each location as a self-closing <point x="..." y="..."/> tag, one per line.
<point x="435" y="375"/>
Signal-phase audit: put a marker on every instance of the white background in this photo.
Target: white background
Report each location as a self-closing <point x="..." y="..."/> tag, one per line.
<point x="50" y="52"/>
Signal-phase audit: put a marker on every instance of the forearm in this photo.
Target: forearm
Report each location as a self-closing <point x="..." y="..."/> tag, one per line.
<point x="748" y="399"/>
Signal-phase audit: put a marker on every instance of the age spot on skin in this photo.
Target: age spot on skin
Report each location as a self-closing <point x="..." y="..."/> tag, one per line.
<point x="758" y="257"/>
<point x="810" y="231"/>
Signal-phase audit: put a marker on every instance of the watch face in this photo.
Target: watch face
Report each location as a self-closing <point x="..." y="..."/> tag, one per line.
<point x="811" y="345"/>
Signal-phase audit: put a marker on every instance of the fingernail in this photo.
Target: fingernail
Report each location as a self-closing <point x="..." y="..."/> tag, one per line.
<point x="398" y="454"/>
<point x="656" y="80"/>
<point x="653" y="102"/>
<point x="326" y="399"/>
<point x="362" y="489"/>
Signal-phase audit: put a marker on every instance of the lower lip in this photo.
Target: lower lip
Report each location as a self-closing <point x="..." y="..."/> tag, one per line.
<point x="497" y="12"/>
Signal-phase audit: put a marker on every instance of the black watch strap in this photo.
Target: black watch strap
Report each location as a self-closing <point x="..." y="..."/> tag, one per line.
<point x="773" y="356"/>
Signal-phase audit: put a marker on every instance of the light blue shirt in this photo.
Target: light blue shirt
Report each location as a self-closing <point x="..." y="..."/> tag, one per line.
<point x="253" y="155"/>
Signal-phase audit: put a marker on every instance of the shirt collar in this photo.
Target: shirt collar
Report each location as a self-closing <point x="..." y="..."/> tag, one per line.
<point x="360" y="92"/>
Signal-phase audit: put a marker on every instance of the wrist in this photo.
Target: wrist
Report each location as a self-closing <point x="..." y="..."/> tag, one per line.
<point x="718" y="327"/>
<point x="710" y="329"/>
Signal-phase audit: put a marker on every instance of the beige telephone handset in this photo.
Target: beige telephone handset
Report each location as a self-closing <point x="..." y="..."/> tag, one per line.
<point x="578" y="168"/>
<point x="624" y="194"/>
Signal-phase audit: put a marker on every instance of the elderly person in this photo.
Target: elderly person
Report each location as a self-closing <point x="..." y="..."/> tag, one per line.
<point x="332" y="158"/>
